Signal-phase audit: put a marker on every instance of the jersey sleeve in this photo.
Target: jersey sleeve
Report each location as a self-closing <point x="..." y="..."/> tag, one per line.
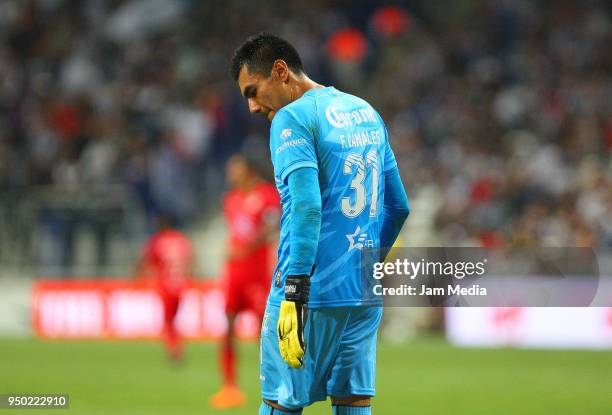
<point x="292" y="144"/>
<point x="389" y="157"/>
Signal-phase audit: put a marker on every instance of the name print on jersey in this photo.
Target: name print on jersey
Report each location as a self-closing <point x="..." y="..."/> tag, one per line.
<point x="360" y="139"/>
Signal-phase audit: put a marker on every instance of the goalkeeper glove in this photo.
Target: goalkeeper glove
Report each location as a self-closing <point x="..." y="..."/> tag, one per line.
<point x="292" y="318"/>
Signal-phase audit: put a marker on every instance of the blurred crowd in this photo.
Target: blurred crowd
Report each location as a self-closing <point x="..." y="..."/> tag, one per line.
<point x="502" y="116"/>
<point x="500" y="112"/>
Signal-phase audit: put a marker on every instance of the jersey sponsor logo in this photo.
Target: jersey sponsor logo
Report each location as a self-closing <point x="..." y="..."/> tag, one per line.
<point x="362" y="240"/>
<point x="291" y="143"/>
<point x="286" y="133"/>
<point x="342" y="119"/>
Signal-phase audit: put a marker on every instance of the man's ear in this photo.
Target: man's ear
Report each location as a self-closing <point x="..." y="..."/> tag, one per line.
<point x="280" y="70"/>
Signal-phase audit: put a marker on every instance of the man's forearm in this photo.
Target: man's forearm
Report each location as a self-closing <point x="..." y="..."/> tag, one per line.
<point x="305" y="220"/>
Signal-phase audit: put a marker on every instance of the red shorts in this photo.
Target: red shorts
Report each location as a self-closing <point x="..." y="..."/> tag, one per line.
<point x="246" y="295"/>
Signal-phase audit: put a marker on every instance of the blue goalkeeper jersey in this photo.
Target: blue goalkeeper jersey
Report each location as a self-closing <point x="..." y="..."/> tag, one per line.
<point x="345" y="140"/>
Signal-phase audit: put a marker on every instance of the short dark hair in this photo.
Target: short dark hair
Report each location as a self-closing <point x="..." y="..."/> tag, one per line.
<point x="260" y="51"/>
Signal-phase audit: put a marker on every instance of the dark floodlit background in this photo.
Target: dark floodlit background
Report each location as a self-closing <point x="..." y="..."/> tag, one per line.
<point x="111" y="112"/>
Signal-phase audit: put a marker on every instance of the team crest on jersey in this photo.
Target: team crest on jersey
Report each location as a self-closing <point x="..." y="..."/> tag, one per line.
<point x="277" y="279"/>
<point x="286" y="133"/>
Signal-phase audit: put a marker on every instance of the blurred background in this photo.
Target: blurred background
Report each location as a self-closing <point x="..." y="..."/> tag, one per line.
<point x="500" y="113"/>
<point x="114" y="111"/>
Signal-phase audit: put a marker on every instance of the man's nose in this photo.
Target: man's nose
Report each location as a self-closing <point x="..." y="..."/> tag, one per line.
<point x="254" y="107"/>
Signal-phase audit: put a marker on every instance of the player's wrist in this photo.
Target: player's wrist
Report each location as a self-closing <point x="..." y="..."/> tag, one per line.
<point x="297" y="288"/>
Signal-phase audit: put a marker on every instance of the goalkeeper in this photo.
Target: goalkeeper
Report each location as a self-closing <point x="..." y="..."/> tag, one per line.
<point x="340" y="193"/>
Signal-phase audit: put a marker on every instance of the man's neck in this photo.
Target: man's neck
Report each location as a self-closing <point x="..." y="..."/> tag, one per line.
<point x="303" y="84"/>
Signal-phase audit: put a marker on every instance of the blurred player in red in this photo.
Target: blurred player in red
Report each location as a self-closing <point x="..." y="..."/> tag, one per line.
<point x="251" y="209"/>
<point x="168" y="257"/>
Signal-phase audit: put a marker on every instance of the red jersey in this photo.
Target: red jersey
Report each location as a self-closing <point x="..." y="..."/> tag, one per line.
<point x="246" y="214"/>
<point x="170" y="254"/>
